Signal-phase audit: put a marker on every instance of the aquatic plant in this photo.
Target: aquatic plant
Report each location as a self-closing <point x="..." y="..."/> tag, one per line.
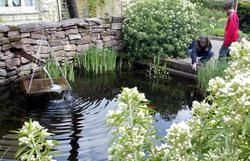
<point x="209" y="70"/>
<point x="54" y="71"/>
<point x="124" y="61"/>
<point x="157" y="70"/>
<point x="33" y="143"/>
<point x="96" y="60"/>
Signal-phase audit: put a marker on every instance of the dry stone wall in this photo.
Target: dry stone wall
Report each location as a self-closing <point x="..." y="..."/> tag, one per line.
<point x="66" y="39"/>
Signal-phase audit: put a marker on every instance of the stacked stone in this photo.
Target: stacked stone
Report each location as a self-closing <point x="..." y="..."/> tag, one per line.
<point x="66" y="39"/>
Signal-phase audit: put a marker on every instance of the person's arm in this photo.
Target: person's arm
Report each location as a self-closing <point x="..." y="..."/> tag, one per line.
<point x="230" y="30"/>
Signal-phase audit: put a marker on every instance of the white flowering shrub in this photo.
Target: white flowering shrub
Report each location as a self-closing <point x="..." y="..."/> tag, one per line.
<point x="161" y="27"/>
<point x="218" y="130"/>
<point x="33" y="143"/>
<point x="132" y="128"/>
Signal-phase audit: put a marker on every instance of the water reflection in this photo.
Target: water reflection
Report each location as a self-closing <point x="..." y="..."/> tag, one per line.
<point x="78" y="118"/>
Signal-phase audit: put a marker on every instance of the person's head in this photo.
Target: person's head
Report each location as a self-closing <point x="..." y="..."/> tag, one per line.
<point x="203" y="41"/>
<point x="228" y="6"/>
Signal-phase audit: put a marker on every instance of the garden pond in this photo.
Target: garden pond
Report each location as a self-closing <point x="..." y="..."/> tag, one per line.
<point x="77" y="118"/>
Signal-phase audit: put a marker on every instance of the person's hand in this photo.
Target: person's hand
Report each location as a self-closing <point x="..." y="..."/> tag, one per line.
<point x="194" y="66"/>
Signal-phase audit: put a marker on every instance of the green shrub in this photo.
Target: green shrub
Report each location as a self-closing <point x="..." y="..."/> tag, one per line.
<point x="209" y="70"/>
<point x="244" y="16"/>
<point x="160" y="27"/>
<point x="213" y="21"/>
<point x="96" y="60"/>
<point x="211" y="4"/>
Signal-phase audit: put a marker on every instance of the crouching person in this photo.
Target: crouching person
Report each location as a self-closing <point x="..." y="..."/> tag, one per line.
<point x="200" y="48"/>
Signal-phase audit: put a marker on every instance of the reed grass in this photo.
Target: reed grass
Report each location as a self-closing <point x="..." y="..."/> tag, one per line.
<point x="54" y="71"/>
<point x="157" y="70"/>
<point x="97" y="61"/>
<point x="209" y="70"/>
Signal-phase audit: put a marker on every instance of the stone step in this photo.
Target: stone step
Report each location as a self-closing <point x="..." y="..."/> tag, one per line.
<point x="176" y="67"/>
<point x="182" y="74"/>
<point x="180" y="65"/>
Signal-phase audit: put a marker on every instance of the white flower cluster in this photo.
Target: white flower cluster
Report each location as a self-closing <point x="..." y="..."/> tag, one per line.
<point x="32" y="138"/>
<point x="131" y="126"/>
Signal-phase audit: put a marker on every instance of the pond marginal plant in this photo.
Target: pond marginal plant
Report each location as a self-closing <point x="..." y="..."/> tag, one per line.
<point x="96" y="60"/>
<point x="124" y="61"/>
<point x="158" y="70"/>
<point x="33" y="143"/>
<point x="209" y="70"/>
<point x="54" y="71"/>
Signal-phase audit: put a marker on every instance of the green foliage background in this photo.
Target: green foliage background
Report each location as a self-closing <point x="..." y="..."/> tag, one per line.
<point x="92" y="6"/>
<point x="161" y="27"/>
<point x="244" y="16"/>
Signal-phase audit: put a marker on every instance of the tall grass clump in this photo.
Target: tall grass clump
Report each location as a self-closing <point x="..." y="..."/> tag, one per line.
<point x="209" y="70"/>
<point x="96" y="60"/>
<point x="157" y="70"/>
<point x="54" y="71"/>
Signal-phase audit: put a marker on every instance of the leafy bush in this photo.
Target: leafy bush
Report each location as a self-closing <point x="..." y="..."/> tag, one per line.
<point x="209" y="70"/>
<point x="157" y="27"/>
<point x="211" y="4"/>
<point x="213" y="21"/>
<point x="244" y="16"/>
<point x="33" y="143"/>
<point x="97" y="60"/>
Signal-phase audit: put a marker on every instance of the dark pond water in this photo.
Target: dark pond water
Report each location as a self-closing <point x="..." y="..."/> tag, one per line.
<point x="78" y="118"/>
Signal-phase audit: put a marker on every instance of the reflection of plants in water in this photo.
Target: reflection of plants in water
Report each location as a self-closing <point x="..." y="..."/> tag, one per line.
<point x="157" y="70"/>
<point x="7" y="105"/>
<point x="96" y="86"/>
<point x="168" y="98"/>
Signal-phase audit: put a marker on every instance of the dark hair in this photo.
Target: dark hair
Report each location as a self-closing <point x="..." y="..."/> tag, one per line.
<point x="205" y="39"/>
<point x="228" y="5"/>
